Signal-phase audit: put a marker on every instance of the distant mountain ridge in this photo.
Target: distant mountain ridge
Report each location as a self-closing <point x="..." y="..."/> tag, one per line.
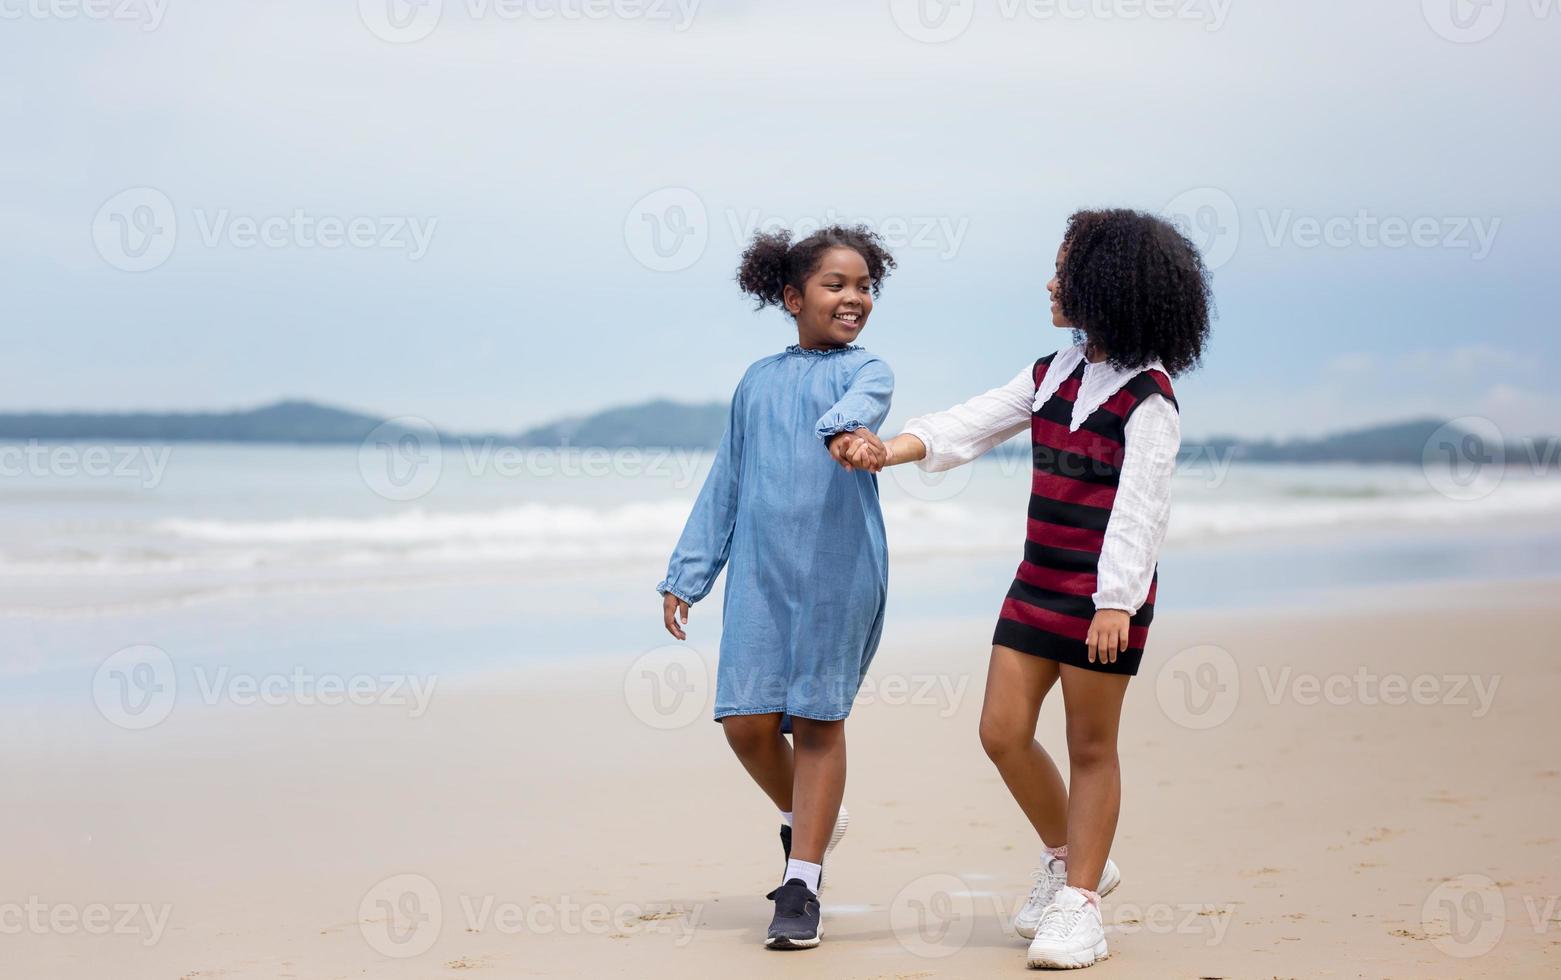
<point x="660" y="423"/>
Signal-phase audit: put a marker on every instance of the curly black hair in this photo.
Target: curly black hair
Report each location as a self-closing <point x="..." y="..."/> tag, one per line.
<point x="1135" y="286"/>
<point x="771" y="262"/>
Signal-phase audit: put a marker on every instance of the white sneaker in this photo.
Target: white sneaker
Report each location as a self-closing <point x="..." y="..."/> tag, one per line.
<point x="1071" y="934"/>
<point x="842" y="821"/>
<point x="1050" y="877"/>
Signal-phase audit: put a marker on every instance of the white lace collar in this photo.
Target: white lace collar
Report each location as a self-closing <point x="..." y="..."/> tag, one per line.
<point x="1100" y="382"/>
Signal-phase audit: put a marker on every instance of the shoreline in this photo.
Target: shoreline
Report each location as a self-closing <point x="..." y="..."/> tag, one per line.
<point x="580" y="819"/>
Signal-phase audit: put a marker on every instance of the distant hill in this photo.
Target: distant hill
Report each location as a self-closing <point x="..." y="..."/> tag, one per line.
<point x="286" y="421"/>
<point x="1401" y="442"/>
<point x="658" y="423"/>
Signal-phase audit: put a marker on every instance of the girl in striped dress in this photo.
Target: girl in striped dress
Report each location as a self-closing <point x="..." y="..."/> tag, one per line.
<point x="1103" y="422"/>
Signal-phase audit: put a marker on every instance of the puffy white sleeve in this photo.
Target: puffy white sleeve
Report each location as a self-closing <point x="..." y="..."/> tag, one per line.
<point x="1143" y="506"/>
<point x="966" y="431"/>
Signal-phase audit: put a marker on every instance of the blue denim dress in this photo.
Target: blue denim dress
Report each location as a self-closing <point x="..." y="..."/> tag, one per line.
<point x="802" y="540"/>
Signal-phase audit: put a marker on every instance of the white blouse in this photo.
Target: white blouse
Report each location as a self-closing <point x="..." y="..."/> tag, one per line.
<point x="1143" y="501"/>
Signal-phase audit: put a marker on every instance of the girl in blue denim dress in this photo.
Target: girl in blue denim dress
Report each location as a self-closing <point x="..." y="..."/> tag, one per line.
<point x="802" y="540"/>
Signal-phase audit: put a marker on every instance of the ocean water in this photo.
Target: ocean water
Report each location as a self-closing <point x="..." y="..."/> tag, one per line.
<point x="476" y="559"/>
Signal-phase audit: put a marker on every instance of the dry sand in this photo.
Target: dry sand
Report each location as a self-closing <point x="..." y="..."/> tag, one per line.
<point x="546" y="829"/>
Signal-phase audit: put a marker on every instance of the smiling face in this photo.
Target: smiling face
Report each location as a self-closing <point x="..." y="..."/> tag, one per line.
<point x="835" y="301"/>
<point x="1052" y="287"/>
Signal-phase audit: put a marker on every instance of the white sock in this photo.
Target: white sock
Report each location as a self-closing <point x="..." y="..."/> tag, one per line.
<point x="786" y="816"/>
<point x="808" y="872"/>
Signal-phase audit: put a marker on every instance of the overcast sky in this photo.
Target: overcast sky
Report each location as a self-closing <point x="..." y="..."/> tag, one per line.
<point x="517" y="210"/>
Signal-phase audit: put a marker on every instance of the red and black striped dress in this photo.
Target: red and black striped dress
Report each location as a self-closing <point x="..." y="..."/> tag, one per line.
<point x="1049" y="607"/>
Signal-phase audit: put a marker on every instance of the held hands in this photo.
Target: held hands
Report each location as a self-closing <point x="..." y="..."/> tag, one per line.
<point x="859" y="449"/>
<point x="671" y="608"/>
<point x="1107" y="635"/>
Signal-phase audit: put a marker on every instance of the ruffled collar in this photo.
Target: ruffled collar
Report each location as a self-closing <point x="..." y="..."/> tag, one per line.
<point x="1100" y="382"/>
<point x="799" y="349"/>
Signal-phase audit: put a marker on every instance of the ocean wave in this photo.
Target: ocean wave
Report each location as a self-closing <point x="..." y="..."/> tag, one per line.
<point x="541" y="535"/>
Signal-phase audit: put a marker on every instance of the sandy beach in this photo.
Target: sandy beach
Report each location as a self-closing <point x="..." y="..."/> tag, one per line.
<point x="1374" y="792"/>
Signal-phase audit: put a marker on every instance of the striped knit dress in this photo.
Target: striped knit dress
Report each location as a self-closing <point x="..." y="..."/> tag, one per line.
<point x="1049" y="607"/>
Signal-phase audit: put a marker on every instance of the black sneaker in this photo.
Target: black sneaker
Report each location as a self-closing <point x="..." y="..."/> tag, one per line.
<point x="786" y="839"/>
<point x="796" y="923"/>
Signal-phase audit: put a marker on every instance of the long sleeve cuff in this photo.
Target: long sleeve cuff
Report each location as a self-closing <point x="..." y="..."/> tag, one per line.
<point x="931" y="461"/>
<point x="667" y="588"/>
<point x="836" y="422"/>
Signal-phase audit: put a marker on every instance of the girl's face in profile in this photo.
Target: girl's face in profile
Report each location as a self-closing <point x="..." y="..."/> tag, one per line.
<point x="1058" y="319"/>
<point x="836" y="300"/>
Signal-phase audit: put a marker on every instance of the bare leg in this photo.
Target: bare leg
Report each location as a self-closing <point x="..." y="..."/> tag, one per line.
<point x="1016" y="684"/>
<point x="820" y="784"/>
<point x="1094" y="708"/>
<point x="764" y="752"/>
